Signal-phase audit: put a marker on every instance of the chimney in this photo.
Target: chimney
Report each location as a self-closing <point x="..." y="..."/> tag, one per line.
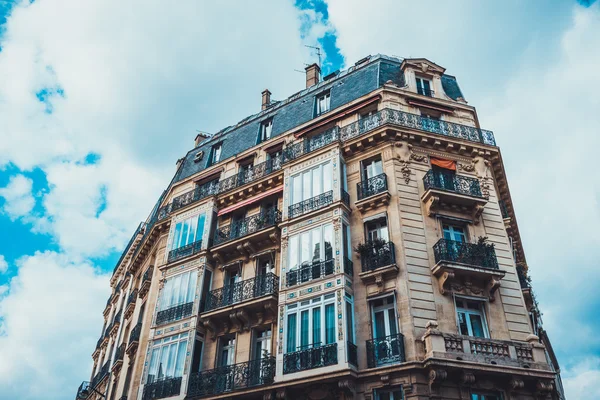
<point x="266" y="99"/>
<point x="200" y="137"/>
<point x="313" y="72"/>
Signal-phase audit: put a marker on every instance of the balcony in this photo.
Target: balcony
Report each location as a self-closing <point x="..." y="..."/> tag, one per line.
<point x="232" y="377"/>
<point x="251" y="174"/>
<point x="115" y="324"/>
<point x="146" y="280"/>
<point x="385" y="351"/>
<point x="309" y="272"/>
<point x="348" y="266"/>
<point x="352" y="354"/>
<point x="174" y="313"/>
<point x="413" y="121"/>
<point x="100" y="376"/>
<point x="312" y="204"/>
<point x="185" y="251"/>
<point x="473" y="262"/>
<point x="119" y="355"/>
<point x="160" y="389"/>
<point x="134" y="338"/>
<point x="378" y="262"/>
<point x="247" y="226"/>
<point x="448" y="191"/>
<point x="310" y="358"/>
<point x="372" y="193"/>
<point x="200" y="192"/>
<point x="248" y="289"/>
<point x="83" y="391"/>
<point x="130" y="306"/>
<point x="308" y="145"/>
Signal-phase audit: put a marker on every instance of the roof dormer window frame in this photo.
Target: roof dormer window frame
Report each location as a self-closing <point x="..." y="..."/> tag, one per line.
<point x="216" y="152"/>
<point x="322" y="103"/>
<point x="265" y="131"/>
<point x="424" y="85"/>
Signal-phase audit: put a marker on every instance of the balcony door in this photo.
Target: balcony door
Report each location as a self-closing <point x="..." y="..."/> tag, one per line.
<point x="385" y="330"/>
<point x="262" y="344"/>
<point x="377" y="229"/>
<point x="371" y="168"/>
<point x="454" y="233"/>
<point x="233" y="275"/>
<point x="227" y="351"/>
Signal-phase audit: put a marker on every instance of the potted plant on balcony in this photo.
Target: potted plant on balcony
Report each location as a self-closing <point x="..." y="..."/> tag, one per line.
<point x="483" y="253"/>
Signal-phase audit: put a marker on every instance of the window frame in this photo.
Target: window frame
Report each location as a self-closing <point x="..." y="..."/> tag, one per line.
<point x="216" y="151"/>
<point x="193" y="221"/>
<point x="267" y="123"/>
<point x="378" y="392"/>
<point x="482" y="314"/>
<point x="323" y="96"/>
<point x="167" y="342"/>
<point x="297" y="308"/>
<point x="301" y="176"/>
<point x="422" y="79"/>
<point x="190" y="296"/>
<point x="311" y="245"/>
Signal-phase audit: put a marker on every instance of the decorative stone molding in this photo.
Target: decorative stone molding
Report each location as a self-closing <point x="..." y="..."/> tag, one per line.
<point x="468" y="378"/>
<point x="516" y="383"/>
<point x="385" y="379"/>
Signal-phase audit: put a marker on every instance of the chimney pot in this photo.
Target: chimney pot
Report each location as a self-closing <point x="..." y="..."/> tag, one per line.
<point x="313" y="73"/>
<point x="266" y="99"/>
<point x="200" y="137"/>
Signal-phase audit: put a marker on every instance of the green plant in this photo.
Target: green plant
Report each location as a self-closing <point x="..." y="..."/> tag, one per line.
<point x="370" y="247"/>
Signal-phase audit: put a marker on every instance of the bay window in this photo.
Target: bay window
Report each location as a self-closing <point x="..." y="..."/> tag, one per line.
<point x="177" y="297"/>
<point x="167" y="358"/>
<point x="312" y="182"/>
<point x="188" y="231"/>
<point x="310" y="323"/>
<point x="310" y="255"/>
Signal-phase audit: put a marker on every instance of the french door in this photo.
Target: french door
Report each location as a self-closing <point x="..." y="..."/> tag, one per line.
<point x="386" y="347"/>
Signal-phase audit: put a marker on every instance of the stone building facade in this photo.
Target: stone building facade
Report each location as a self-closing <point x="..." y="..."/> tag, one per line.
<point x="356" y="240"/>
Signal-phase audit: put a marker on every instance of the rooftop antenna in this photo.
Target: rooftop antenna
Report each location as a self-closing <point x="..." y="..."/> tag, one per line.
<point x="318" y="49"/>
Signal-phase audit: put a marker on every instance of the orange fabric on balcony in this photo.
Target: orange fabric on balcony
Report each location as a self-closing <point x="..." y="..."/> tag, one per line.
<point x="250" y="200"/>
<point x="446" y="164"/>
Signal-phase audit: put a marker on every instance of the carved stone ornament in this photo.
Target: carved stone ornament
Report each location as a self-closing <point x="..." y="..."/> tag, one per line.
<point x="468" y="378"/>
<point x="419" y="157"/>
<point x="485" y="188"/>
<point x="516" y="383"/>
<point x="437" y="376"/>
<point x="466" y="167"/>
<point x="405" y="172"/>
<point x="482" y="167"/>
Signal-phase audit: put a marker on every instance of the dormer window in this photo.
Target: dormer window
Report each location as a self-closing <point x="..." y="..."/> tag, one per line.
<point x="323" y="103"/>
<point x="215" y="154"/>
<point x="424" y="86"/>
<point x="265" y="130"/>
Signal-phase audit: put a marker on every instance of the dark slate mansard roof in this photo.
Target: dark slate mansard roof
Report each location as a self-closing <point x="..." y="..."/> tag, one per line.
<point x="344" y="87"/>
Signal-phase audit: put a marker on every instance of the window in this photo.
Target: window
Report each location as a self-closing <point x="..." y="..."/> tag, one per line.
<point x="394" y="394"/>
<point x="470" y="316"/>
<point x="371" y="167"/>
<point x="346" y="241"/>
<point x="323" y="103"/>
<point x="311" y="183"/>
<point x="454" y="232"/>
<point x="349" y="318"/>
<point x="226" y="351"/>
<point x="310" y="323"/>
<point x="377" y="229"/>
<point x="424" y="87"/>
<point x="179" y="289"/>
<point x="167" y="357"/>
<point x="314" y="245"/>
<point x="482" y="396"/>
<point x="262" y="343"/>
<point x="383" y="317"/>
<point x="215" y="154"/>
<point x="276" y="158"/>
<point x="265" y="130"/>
<point x="188" y="231"/>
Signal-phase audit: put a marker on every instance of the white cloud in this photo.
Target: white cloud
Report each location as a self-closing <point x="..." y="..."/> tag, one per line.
<point x="18" y="199"/>
<point x="582" y="382"/>
<point x="544" y="112"/>
<point x="52" y="317"/>
<point x="3" y="266"/>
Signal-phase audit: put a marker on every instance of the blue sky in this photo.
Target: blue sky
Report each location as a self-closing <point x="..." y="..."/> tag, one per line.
<point x="97" y="104"/>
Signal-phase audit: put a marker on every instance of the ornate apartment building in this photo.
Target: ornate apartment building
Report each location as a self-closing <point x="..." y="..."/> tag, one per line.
<point x="354" y="241"/>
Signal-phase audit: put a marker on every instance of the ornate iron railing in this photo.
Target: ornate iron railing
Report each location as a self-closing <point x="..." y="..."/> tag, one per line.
<point x="477" y="254"/>
<point x="313" y="357"/>
<point x="162" y="388"/>
<point x="414" y="121"/>
<point x="232" y="377"/>
<point x="425" y="92"/>
<point x="316" y="270"/>
<point x="377" y="254"/>
<point x="185" y="251"/>
<point x="134" y="336"/>
<point x="251" y="174"/>
<point x="352" y="354"/>
<point x="451" y="182"/>
<point x="148" y="274"/>
<point x="308" y="145"/>
<point x="120" y="353"/>
<point x="346" y="197"/>
<point x="103" y="373"/>
<point x="117" y="318"/>
<point x="83" y="390"/>
<point x="523" y="277"/>
<point x="132" y="297"/>
<point x="348" y="266"/>
<point x="248" y="289"/>
<point x="312" y="204"/>
<point x="198" y="193"/>
<point x="503" y="209"/>
<point x="174" y="313"/>
<point x="385" y="350"/>
<point x="247" y="226"/>
<point x="372" y="186"/>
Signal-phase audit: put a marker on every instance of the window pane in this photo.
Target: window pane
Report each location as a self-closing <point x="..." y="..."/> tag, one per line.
<point x="305" y="251"/>
<point x="177" y="236"/>
<point x="153" y="369"/>
<point x="191" y="289"/>
<point x="316" y="181"/>
<point x="328" y="241"/>
<point x="477" y="325"/>
<point x="316" y="243"/>
<point x="297" y="189"/>
<point x="162" y="366"/>
<point x="349" y="323"/>
<point x="304" y="328"/>
<point x="175" y="292"/>
<point x="329" y="323"/>
<point x="184" y="232"/>
<point x="170" y="370"/>
<point x="181" y="353"/>
<point x="316" y="339"/>
<point x="293" y="249"/>
<point x="393" y="323"/>
<point x="183" y="288"/>
<point x="192" y="234"/>
<point x="307" y="185"/>
<point x="384" y="396"/>
<point x="380" y="331"/>
<point x="200" y="227"/>
<point x="462" y="324"/>
<point x="327" y="177"/>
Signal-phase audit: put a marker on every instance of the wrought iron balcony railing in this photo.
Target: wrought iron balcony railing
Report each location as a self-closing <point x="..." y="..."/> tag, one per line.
<point x="308" y="145"/>
<point x="316" y="270"/>
<point x="315" y="356"/>
<point x="348" y="266"/>
<point x="117" y="318"/>
<point x="251" y="174"/>
<point x="352" y="354"/>
<point x="132" y="297"/>
<point x="377" y="254"/>
<point x="162" y="388"/>
<point x="247" y="226"/>
<point x="425" y="92"/>
<point x="83" y="390"/>
<point x="120" y="353"/>
<point x="103" y="373"/>
<point x="503" y="209"/>
<point x="346" y="197"/>
<point x="385" y="350"/>
<point x="232" y="377"/>
<point x="522" y="277"/>
<point x="200" y="192"/>
<point x="148" y="274"/>
<point x="248" y="289"/>
<point x="185" y="251"/>
<point x="404" y="119"/>
<point x="476" y="254"/>
<point x="134" y="336"/>
<point x="174" y="313"/>
<point x="312" y="204"/>
<point x="452" y="183"/>
<point x="372" y="186"/>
